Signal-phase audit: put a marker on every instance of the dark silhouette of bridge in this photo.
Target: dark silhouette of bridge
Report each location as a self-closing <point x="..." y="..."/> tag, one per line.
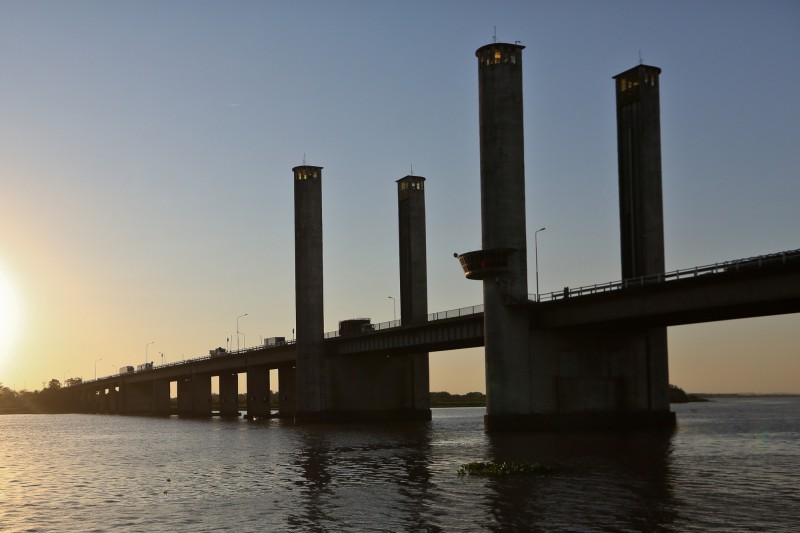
<point x="591" y="356"/>
<point x="746" y="288"/>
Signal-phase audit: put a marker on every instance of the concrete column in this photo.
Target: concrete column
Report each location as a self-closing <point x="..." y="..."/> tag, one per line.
<point x="113" y="403"/>
<point x="287" y="388"/>
<point x="258" y="392"/>
<point x="503" y="230"/>
<point x="185" y="402"/>
<point x="309" y="292"/>
<point x="229" y="394"/>
<point x="102" y="400"/>
<point x="201" y="394"/>
<point x="414" y="277"/>
<point x="136" y="398"/>
<point x="161" y="399"/>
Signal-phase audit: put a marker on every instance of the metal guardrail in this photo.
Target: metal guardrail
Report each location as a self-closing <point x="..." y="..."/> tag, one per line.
<point x="432" y="317"/>
<point x="717" y="268"/>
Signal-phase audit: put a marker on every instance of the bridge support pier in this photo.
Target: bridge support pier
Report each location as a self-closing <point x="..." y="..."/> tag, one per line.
<point x="201" y="394"/>
<point x="161" y="399"/>
<point x="370" y="388"/>
<point x="287" y="388"/>
<point x="229" y="394"/>
<point x="136" y="398"/>
<point x="258" y="392"/>
<point x="112" y="401"/>
<point x="185" y="396"/>
<point x="593" y="380"/>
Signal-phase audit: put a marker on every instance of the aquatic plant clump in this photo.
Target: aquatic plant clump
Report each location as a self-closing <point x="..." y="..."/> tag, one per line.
<point x="504" y="469"/>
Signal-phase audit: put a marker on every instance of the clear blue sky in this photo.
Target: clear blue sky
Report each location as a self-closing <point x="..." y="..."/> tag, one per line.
<point x="146" y="151"/>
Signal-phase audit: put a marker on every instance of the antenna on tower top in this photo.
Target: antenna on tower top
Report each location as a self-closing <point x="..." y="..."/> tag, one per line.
<point x="304" y="159"/>
<point x="494" y="36"/>
<point x="641" y="60"/>
<point x="412" y="170"/>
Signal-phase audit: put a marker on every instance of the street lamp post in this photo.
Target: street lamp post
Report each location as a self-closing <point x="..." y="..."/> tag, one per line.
<point x="95" y="367"/>
<point x="237" y="330"/>
<point x="146" y="346"/>
<point x="394" y="307"/>
<point x="536" y="255"/>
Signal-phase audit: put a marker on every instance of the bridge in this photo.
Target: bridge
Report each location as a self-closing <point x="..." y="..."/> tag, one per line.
<point x="583" y="357"/>
<point x="745" y="288"/>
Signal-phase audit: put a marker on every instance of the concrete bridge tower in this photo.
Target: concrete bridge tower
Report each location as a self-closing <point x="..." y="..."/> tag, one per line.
<point x="639" y="155"/>
<point x="310" y="380"/>
<point x="414" y="276"/>
<point x="502" y="263"/>
<point x="538" y="378"/>
<point x="641" y="211"/>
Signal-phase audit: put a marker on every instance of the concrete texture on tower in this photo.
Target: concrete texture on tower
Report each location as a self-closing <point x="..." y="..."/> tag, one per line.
<point x="309" y="290"/>
<point x="503" y="232"/>
<point x="639" y="157"/>
<point x="414" y="276"/>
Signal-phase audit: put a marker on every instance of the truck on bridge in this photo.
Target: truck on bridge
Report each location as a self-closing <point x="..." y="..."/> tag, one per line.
<point x="271" y="342"/>
<point x="355" y="326"/>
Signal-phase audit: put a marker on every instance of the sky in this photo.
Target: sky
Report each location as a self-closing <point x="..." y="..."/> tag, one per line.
<point x="146" y="151"/>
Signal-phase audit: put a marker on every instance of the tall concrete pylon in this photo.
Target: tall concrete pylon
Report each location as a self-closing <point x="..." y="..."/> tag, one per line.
<point x="309" y="311"/>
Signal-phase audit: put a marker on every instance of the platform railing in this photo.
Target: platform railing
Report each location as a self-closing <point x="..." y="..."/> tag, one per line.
<point x="760" y="261"/>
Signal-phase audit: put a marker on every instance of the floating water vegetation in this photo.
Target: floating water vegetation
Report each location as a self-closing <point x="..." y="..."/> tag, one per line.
<point x="506" y="468"/>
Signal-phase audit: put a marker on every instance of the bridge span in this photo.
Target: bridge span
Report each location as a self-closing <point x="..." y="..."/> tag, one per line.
<point x="758" y="286"/>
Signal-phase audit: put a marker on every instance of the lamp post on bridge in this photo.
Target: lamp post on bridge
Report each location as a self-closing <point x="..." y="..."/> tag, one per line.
<point x="146" y="346"/>
<point x="394" y="307"/>
<point x="536" y="256"/>
<point x="95" y="367"/>
<point x="237" y="330"/>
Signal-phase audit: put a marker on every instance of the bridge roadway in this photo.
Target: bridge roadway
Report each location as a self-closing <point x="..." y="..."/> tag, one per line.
<point x="760" y="286"/>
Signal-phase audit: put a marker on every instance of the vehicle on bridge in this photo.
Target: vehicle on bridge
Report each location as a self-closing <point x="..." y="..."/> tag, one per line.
<point x="217" y="352"/>
<point x="355" y="326"/>
<point x="145" y="366"/>
<point x="126" y="369"/>
<point x="271" y="342"/>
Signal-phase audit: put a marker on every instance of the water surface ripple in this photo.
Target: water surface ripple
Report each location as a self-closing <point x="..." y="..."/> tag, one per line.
<point x="730" y="466"/>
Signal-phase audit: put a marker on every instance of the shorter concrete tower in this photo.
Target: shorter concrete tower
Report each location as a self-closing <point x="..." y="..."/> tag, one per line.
<point x="414" y="276"/>
<point x="413" y="259"/>
<point x="309" y="291"/>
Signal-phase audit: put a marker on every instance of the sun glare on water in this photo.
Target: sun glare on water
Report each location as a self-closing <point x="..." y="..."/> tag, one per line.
<point x="9" y="317"/>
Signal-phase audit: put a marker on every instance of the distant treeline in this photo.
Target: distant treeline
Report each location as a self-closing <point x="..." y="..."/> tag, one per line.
<point x="470" y="399"/>
<point x="48" y="400"/>
<point x="678" y="395"/>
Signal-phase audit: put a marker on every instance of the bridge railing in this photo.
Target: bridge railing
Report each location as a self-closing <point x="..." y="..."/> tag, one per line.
<point x="432" y="317"/>
<point x="760" y="261"/>
<point x="441" y="315"/>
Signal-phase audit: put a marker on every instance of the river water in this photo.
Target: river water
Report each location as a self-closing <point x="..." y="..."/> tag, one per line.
<point x="732" y="465"/>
